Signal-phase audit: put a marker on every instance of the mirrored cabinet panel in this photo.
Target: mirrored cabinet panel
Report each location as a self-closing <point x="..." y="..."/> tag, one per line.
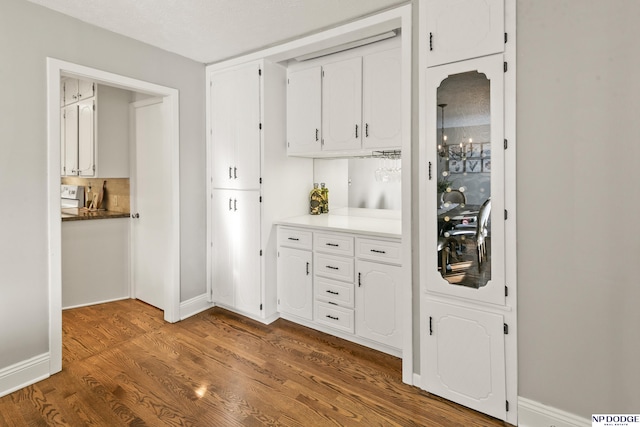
<point x="464" y="199"/>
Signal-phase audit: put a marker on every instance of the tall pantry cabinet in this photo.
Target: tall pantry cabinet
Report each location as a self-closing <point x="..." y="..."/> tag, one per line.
<point x="252" y="182"/>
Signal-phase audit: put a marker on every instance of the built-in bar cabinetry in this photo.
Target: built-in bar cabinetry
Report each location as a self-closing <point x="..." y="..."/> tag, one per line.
<point x="345" y="104"/>
<point x="346" y="284"/>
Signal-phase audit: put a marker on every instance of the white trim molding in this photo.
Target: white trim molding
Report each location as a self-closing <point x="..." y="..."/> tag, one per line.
<point x="535" y="414"/>
<point x="23" y="374"/>
<point x="194" y="306"/>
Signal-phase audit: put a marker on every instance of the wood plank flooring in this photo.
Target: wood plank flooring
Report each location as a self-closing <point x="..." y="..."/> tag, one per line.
<point x="124" y="366"/>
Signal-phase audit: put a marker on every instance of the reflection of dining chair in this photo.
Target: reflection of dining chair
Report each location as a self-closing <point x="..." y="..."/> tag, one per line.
<point x="446" y="247"/>
<point x="453" y="196"/>
<point x="477" y="229"/>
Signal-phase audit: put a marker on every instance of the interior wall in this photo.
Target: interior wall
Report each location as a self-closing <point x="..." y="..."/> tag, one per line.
<point x="28" y="35"/>
<point x="578" y="293"/>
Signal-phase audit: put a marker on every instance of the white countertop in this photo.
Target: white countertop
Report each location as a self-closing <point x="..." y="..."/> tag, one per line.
<point x="374" y="222"/>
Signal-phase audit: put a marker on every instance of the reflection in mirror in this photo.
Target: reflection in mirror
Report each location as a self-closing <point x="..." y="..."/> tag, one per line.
<point x="464" y="179"/>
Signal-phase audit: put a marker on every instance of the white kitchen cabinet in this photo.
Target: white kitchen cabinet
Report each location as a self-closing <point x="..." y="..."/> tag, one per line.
<point x="235" y="127"/>
<point x="78" y="138"/>
<point x="379" y="302"/>
<point x="381" y="100"/>
<point x="236" y="279"/>
<point x="342" y="105"/>
<point x="252" y="182"/>
<point x="295" y="282"/>
<point x="73" y="90"/>
<point x="463" y="29"/>
<point x="304" y="112"/>
<point x="361" y="105"/>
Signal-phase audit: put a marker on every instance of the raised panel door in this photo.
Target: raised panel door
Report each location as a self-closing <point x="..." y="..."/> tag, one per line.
<point x="222" y="255"/>
<point x="223" y="136"/>
<point x="86" y="89"/>
<point x="463" y="356"/>
<point x="247" y="124"/>
<point x="304" y="111"/>
<point x="378" y="303"/>
<point x="342" y="105"/>
<point x="463" y="29"/>
<point x="70" y="140"/>
<point x="86" y="138"/>
<point x="295" y="282"/>
<point x="382" y="107"/>
<point x="247" y="277"/>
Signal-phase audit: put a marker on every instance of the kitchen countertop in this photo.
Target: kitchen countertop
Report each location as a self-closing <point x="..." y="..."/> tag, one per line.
<point x="374" y="222"/>
<point x="78" y="214"/>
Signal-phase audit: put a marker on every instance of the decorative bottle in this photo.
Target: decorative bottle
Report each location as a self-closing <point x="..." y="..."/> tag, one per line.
<point x="315" y="200"/>
<point x="324" y="191"/>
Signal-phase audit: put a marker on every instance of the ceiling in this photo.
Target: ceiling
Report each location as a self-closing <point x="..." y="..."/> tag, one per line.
<point x="209" y="31"/>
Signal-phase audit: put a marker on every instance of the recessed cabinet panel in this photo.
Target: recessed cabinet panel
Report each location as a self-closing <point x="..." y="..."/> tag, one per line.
<point x="304" y="101"/>
<point x="223" y="252"/>
<point x="334" y="316"/>
<point x="464" y="354"/>
<point x="333" y="243"/>
<point x="246" y="235"/>
<point x="295" y="282"/>
<point x="463" y="29"/>
<point x="342" y="105"/>
<point x="381" y="100"/>
<point x="70" y="140"/>
<point x="333" y="291"/>
<point x="86" y="138"/>
<point x="334" y="267"/>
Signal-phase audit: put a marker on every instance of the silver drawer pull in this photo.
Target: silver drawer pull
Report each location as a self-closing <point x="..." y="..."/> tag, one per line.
<point x="332" y="267"/>
<point x="333" y="292"/>
<point x="378" y="251"/>
<point x="335" y="245"/>
<point x="332" y="317"/>
<point x="293" y="238"/>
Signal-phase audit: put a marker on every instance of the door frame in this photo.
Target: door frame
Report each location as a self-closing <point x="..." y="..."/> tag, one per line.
<point x="55" y="70"/>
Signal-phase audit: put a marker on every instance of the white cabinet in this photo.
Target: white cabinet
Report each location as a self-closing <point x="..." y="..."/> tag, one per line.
<point x="295" y="273"/>
<point x="381" y="100"/>
<point x="74" y="90"/>
<point x="379" y="292"/>
<point x="342" y="105"/>
<point x="236" y="260"/>
<point x="361" y="105"/>
<point x="78" y="138"/>
<point x="235" y="127"/>
<point x="463" y="29"/>
<point x="304" y="113"/>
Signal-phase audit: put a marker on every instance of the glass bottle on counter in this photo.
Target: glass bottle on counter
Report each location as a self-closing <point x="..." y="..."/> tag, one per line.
<point x="315" y="200"/>
<point x="324" y="191"/>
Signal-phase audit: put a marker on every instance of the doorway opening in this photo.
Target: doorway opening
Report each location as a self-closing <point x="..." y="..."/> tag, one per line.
<point x="169" y="114"/>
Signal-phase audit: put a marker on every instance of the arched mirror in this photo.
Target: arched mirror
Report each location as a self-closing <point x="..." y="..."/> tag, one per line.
<point x="464" y="179"/>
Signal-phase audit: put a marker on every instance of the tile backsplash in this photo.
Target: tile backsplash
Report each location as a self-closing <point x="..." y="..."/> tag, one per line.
<point x="116" y="196"/>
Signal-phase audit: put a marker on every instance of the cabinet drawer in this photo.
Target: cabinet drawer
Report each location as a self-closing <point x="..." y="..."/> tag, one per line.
<point x="339" y="268"/>
<point x="333" y="243"/>
<point x="329" y="290"/>
<point x="379" y="250"/>
<point x="335" y="317"/>
<point x="294" y="238"/>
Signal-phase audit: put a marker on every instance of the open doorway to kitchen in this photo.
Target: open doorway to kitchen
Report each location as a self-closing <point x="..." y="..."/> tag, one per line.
<point x="168" y="114"/>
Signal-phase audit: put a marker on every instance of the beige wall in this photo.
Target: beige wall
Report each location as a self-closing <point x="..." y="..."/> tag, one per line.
<point x="28" y="35"/>
<point x="578" y="247"/>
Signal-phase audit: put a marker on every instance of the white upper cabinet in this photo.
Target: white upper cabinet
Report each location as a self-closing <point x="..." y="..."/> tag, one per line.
<point x="342" y="105"/>
<point x="235" y="127"/>
<point x="304" y="111"/>
<point x="463" y="29"/>
<point x="74" y="90"/>
<point x="86" y="137"/>
<point x="381" y="100"/>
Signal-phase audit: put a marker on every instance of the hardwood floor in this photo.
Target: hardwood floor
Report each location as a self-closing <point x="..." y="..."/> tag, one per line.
<point x="124" y="366"/>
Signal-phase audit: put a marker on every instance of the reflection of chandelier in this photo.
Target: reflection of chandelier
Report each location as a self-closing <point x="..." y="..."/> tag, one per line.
<point x="442" y="147"/>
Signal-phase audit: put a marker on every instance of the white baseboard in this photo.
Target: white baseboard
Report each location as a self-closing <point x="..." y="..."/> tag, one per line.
<point x="96" y="303"/>
<point x="535" y="414"/>
<point x="24" y="373"/>
<point x="194" y="306"/>
<point x="417" y="380"/>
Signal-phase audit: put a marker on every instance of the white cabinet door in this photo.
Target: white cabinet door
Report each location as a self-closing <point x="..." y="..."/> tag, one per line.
<point x="222" y="222"/>
<point x="463" y="357"/>
<point x="342" y="105"/>
<point x="235" y="128"/>
<point x="70" y="90"/>
<point x="70" y="139"/>
<point x="378" y="303"/>
<point x="382" y="120"/>
<point x="86" y="137"/>
<point x="86" y="89"/>
<point x="304" y="101"/>
<point x="295" y="282"/>
<point x="463" y="29"/>
<point x="247" y="277"/>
